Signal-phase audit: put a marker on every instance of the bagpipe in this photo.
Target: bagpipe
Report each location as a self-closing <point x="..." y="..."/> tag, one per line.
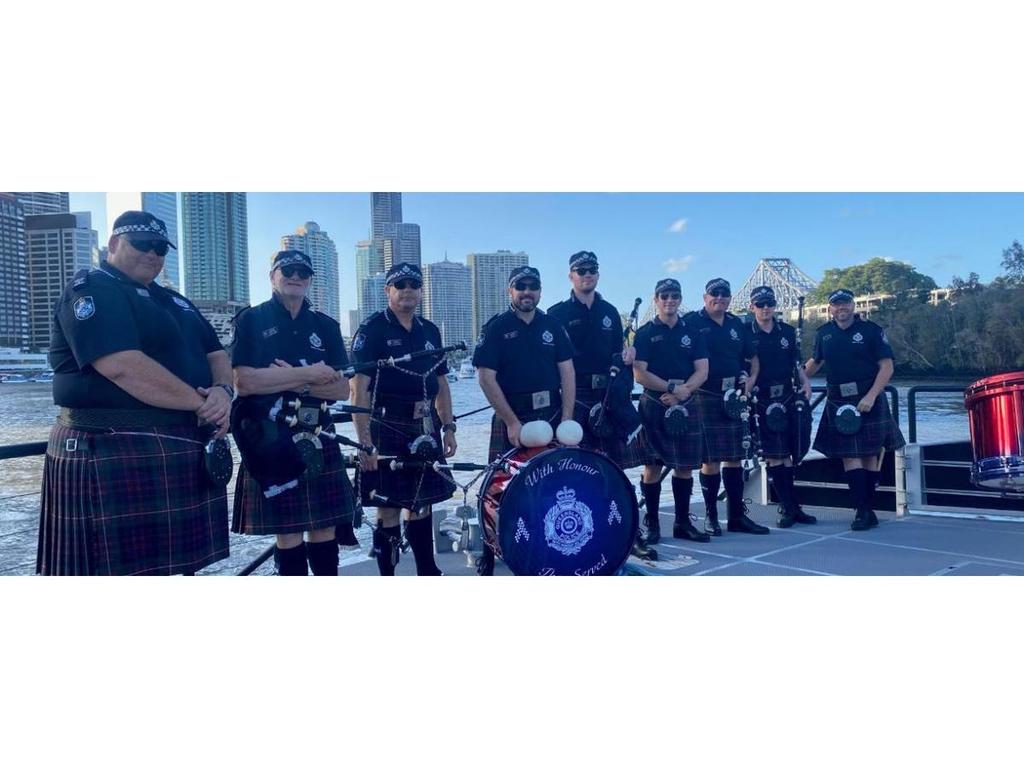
<point x="281" y="436"/>
<point x="615" y="415"/>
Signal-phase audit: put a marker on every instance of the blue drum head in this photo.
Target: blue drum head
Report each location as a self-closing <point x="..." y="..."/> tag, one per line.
<point x="569" y="512"/>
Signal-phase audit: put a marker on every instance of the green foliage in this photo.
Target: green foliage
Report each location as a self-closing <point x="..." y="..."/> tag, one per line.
<point x="876" y="276"/>
<point x="1013" y="263"/>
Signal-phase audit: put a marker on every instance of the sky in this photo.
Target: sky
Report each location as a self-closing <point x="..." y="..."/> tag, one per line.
<point x="641" y="237"/>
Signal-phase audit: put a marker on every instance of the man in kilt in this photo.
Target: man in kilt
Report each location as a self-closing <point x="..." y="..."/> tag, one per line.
<point x="142" y="383"/>
<point x="412" y="407"/>
<point x="859" y="364"/>
<point x="728" y="350"/>
<point x="595" y="329"/>
<point x="671" y="364"/>
<point x="524" y="364"/>
<point x="285" y="350"/>
<point x="774" y="344"/>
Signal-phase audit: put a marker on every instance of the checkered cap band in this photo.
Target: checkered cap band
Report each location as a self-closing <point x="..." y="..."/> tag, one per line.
<point x="581" y="258"/>
<point x="717" y="284"/>
<point x="840" y="296"/>
<point x="762" y="293"/>
<point x="667" y="284"/>
<point x="403" y="271"/>
<point x="520" y="272"/>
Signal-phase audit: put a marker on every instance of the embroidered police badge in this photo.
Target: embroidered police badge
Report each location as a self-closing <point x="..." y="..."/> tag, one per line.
<point x="607" y="322"/>
<point x="733" y="334"/>
<point x="428" y="346"/>
<point x="548" y="337"/>
<point x="182" y="303"/>
<point x="85" y="308"/>
<point x="685" y="341"/>
<point x="784" y="343"/>
<point x="358" y="342"/>
<point x="315" y="342"/>
<point x="858" y="337"/>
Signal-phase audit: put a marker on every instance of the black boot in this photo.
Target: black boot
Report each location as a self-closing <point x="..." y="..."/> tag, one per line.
<point x="386" y="546"/>
<point x="652" y="500"/>
<point x="857" y="480"/>
<point x="709" y="485"/>
<point x="291" y="562"/>
<point x="682" y="487"/>
<point x="641" y="549"/>
<point x="421" y="538"/>
<point x="323" y="557"/>
<point x="739" y="522"/>
<point x="874" y="478"/>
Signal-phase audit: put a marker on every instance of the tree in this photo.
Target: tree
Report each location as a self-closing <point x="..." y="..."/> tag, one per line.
<point x="876" y="276"/>
<point x="1013" y="263"/>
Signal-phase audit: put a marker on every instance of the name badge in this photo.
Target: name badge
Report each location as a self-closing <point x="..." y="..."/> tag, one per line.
<point x="541" y="400"/>
<point x="849" y="389"/>
<point x="599" y="381"/>
<point x="728" y="383"/>
<point x="776" y="390"/>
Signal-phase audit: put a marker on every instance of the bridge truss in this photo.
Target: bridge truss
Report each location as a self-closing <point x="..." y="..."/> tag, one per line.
<point x="785" y="278"/>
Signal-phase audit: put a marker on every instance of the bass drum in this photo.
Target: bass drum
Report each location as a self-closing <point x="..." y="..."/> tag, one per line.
<point x="558" y="512"/>
<point x="995" y="407"/>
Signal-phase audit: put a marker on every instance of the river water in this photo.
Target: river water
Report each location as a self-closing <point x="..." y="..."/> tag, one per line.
<point x="27" y="412"/>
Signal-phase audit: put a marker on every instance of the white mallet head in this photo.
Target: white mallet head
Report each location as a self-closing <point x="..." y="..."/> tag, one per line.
<point x="570" y="433"/>
<point x="535" y="434"/>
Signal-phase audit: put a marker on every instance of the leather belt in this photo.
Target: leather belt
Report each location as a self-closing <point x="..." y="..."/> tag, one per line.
<point x="107" y="418"/>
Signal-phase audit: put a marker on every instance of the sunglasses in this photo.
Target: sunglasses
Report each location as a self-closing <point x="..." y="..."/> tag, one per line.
<point x="763" y="304"/>
<point x="403" y="284"/>
<point x="581" y="271"/>
<point x="522" y="285"/>
<point x="670" y="296"/>
<point x="719" y="293"/>
<point x="295" y="269"/>
<point x="145" y="245"/>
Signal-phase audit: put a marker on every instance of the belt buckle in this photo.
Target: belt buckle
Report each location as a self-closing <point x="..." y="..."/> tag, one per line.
<point x="729" y="382"/>
<point x="849" y="389"/>
<point x="71" y="444"/>
<point x="776" y="390"/>
<point x="541" y="400"/>
<point x="599" y="381"/>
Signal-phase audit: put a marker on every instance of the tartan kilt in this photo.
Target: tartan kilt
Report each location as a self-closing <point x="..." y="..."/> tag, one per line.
<point x="722" y="436"/>
<point x="499" y="443"/>
<point x="615" y="448"/>
<point x="320" y="503"/>
<point x="410" y="489"/>
<point x="878" y="430"/>
<point x="774" y="445"/>
<point x="659" y="447"/>
<point x="129" y="503"/>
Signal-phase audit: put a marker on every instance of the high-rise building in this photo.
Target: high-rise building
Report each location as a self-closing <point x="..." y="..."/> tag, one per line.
<point x="368" y="261"/>
<point x="353" y="324"/>
<point x="446" y="292"/>
<point x="325" y="293"/>
<point x="371" y="296"/>
<point x="14" y="321"/>
<point x="385" y="208"/>
<point x="490" y="283"/>
<point x="400" y="242"/>
<point x="58" y="244"/>
<point x="39" y="203"/>
<point x="163" y="205"/>
<point x="215" y="246"/>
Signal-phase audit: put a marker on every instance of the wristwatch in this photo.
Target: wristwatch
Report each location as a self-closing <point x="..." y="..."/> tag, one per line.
<point x="449" y="427"/>
<point x="671" y="387"/>
<point x="227" y="388"/>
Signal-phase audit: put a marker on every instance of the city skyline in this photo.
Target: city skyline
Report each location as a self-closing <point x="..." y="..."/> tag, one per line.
<point x="640" y="237"/>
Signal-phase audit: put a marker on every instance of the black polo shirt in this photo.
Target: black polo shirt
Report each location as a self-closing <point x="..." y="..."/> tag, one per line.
<point x="383" y="336"/>
<point x="595" y="332"/>
<point x="525" y="355"/>
<point x="267" y="332"/>
<point x="853" y="354"/>
<point x="670" y="353"/>
<point x="103" y="311"/>
<point x="776" y="352"/>
<point x="729" y="346"/>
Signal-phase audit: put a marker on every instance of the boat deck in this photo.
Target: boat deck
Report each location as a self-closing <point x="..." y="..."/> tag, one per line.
<point x="907" y="546"/>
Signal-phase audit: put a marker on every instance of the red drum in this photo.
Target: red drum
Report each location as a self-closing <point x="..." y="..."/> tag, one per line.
<point x="559" y="512"/>
<point x="995" y="407"/>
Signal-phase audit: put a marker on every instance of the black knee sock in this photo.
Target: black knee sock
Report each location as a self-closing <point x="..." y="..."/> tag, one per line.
<point x="385" y="543"/>
<point x="791" y="485"/>
<point x="709" y="485"/>
<point x="323" y="557"/>
<point x="682" y="487"/>
<point x="857" y="479"/>
<point x="291" y="562"/>
<point x="732" y="479"/>
<point x="652" y="500"/>
<point x="874" y="478"/>
<point x="421" y="539"/>
<point x="780" y="482"/>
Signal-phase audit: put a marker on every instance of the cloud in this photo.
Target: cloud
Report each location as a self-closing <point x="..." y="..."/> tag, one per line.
<point x="677" y="265"/>
<point x="679" y="225"/>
